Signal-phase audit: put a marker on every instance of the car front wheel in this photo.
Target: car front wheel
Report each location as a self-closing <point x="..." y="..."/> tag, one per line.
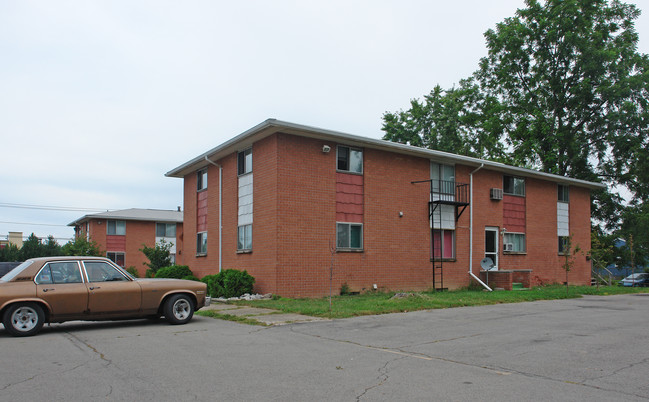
<point x="179" y="309"/>
<point x="23" y="319"/>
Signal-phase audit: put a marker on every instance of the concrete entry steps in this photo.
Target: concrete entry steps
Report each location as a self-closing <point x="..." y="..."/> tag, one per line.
<point x="262" y="315"/>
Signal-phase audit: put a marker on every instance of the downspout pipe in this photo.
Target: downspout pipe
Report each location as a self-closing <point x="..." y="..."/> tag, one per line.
<point x="220" y="210"/>
<point x="471" y="233"/>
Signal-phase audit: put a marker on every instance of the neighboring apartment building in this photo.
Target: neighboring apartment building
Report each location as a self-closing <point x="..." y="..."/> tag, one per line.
<point x="123" y="233"/>
<point x="374" y="214"/>
<point x="15" y="238"/>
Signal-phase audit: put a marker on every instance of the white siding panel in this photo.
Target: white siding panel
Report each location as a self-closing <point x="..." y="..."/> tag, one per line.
<point x="448" y="217"/>
<point x="245" y="200"/>
<point x="563" y="219"/>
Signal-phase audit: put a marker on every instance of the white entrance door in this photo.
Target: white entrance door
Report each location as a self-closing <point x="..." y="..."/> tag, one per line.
<point x="491" y="245"/>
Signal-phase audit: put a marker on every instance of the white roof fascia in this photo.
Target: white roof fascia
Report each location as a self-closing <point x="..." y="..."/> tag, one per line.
<point x="271" y="126"/>
<point x="135" y="214"/>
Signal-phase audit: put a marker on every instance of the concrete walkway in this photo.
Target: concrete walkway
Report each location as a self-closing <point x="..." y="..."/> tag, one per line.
<point x="262" y="315"/>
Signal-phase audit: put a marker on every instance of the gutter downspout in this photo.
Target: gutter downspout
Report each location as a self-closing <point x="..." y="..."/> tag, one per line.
<point x="471" y="234"/>
<point x="220" y="210"/>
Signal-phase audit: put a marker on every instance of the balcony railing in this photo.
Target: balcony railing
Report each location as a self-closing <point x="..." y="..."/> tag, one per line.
<point x="449" y="192"/>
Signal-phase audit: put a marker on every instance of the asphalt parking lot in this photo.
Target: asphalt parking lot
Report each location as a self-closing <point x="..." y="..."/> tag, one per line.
<point x="595" y="348"/>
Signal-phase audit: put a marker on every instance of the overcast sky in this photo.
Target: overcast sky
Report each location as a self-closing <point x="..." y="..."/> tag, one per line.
<point x="99" y="99"/>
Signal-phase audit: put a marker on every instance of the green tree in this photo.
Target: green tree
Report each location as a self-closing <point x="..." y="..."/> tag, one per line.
<point x="159" y="256"/>
<point x="9" y="253"/>
<point x="82" y="246"/>
<point x="459" y="120"/>
<point x="51" y="247"/>
<point x="563" y="88"/>
<point x="31" y="248"/>
<point x="635" y="222"/>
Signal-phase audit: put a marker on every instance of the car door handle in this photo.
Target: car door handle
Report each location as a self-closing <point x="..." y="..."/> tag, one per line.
<point x="95" y="287"/>
<point x="47" y="290"/>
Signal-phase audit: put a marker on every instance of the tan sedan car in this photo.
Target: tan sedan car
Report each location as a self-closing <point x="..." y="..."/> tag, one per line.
<point x="58" y="289"/>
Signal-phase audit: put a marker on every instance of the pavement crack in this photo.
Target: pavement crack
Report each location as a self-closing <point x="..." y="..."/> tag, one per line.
<point x="382" y="378"/>
<point x="439" y="341"/>
<point x="76" y="340"/>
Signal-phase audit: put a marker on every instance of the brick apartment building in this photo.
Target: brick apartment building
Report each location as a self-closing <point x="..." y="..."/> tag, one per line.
<point x="123" y="233"/>
<point x="376" y="214"/>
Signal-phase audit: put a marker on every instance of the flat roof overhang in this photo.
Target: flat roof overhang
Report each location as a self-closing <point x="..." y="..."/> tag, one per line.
<point x="272" y="126"/>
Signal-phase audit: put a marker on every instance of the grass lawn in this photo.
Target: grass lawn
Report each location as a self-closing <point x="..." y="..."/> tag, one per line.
<point x="383" y="303"/>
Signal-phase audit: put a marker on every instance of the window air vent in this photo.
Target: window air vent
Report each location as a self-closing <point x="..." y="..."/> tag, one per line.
<point x="496" y="193"/>
<point x="508" y="247"/>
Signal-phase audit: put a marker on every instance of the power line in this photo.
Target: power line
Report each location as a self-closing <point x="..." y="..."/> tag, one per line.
<point x="51" y="207"/>
<point x="33" y="224"/>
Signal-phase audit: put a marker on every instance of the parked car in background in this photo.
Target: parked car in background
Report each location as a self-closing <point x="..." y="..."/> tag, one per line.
<point x="5" y="267"/>
<point x="58" y="289"/>
<point x="640" y="279"/>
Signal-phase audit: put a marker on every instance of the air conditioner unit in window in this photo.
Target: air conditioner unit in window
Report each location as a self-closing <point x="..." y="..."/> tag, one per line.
<point x="508" y="247"/>
<point x="496" y="194"/>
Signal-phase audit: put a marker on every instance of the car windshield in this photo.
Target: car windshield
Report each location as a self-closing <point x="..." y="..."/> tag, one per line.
<point x="635" y="276"/>
<point x="16" y="271"/>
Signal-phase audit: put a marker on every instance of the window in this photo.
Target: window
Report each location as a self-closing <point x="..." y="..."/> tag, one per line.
<point x="244" y="237"/>
<point x="443" y="244"/>
<point x="443" y="178"/>
<point x="201" y="180"/>
<point x="201" y="243"/>
<point x="514" y="185"/>
<point x="514" y="243"/>
<point x="350" y="159"/>
<point x="244" y="161"/>
<point x="116" y="228"/>
<point x="59" y="272"/>
<point x="117" y="258"/>
<point x="563" y="193"/>
<point x="98" y="271"/>
<point x="564" y="245"/>
<point x="165" y="230"/>
<point x="349" y="236"/>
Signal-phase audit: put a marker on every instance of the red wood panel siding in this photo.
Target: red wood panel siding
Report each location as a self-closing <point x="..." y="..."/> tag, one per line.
<point x="514" y="213"/>
<point x="115" y="243"/>
<point x="201" y="211"/>
<point x="349" y="197"/>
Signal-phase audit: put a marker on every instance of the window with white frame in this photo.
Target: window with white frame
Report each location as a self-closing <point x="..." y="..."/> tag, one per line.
<point x="244" y="238"/>
<point x="514" y="185"/>
<point x="201" y="243"/>
<point x="349" y="236"/>
<point x="117" y="258"/>
<point x="116" y="228"/>
<point x="244" y="162"/>
<point x="514" y="243"/>
<point x="165" y="230"/>
<point x="563" y="193"/>
<point x="349" y="159"/>
<point x="201" y="180"/>
<point x="443" y="244"/>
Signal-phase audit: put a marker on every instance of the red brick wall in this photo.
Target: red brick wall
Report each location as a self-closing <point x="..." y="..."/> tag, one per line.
<point x="294" y="223"/>
<point x="138" y="233"/>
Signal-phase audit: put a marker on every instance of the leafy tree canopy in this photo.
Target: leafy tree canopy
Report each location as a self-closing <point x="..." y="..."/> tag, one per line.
<point x="82" y="246"/>
<point x="562" y="90"/>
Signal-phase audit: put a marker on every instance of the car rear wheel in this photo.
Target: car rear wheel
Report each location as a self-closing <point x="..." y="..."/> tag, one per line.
<point x="179" y="309"/>
<point x="23" y="319"/>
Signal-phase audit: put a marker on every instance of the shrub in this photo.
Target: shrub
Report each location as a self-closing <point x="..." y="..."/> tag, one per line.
<point x="131" y="270"/>
<point x="344" y="290"/>
<point x="229" y="283"/>
<point x="174" y="271"/>
<point x="191" y="278"/>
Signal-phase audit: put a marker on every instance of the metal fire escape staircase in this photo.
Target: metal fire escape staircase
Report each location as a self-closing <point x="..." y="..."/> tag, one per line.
<point x="442" y="192"/>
